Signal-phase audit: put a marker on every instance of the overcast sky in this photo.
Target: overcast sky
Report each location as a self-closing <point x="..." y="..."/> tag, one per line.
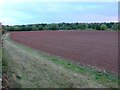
<point x="53" y="12"/>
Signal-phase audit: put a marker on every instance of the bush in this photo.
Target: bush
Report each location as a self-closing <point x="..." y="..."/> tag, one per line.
<point x="103" y="27"/>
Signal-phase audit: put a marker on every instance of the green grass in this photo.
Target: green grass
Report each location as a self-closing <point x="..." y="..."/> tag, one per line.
<point x="0" y="61"/>
<point x="0" y="58"/>
<point x="4" y="64"/>
<point x="0" y="65"/>
<point x="51" y="70"/>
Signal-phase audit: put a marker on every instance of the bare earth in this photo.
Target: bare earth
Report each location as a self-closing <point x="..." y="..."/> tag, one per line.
<point x="94" y="48"/>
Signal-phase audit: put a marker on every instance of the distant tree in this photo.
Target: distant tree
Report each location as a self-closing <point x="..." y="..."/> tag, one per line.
<point x="17" y="28"/>
<point x="71" y="26"/>
<point x="103" y="27"/>
<point x="9" y="28"/>
<point x="119" y="26"/>
<point x="63" y="26"/>
<point x="115" y="26"/>
<point x="90" y="25"/>
<point x="45" y="27"/>
<point x="34" y="27"/>
<point x="40" y="27"/>
<point x="109" y="25"/>
<point x="97" y="27"/>
<point x="82" y="26"/>
<point x="28" y="28"/>
<point x="5" y="27"/>
<point x="86" y="25"/>
<point x="53" y="27"/>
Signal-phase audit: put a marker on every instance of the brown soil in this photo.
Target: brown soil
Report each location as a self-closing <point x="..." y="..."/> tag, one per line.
<point x="95" y="48"/>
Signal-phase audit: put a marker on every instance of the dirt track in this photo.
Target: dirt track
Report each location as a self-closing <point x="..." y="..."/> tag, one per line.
<point x="99" y="49"/>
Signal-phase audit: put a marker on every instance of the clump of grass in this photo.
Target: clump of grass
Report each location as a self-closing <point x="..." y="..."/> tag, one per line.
<point x="4" y="64"/>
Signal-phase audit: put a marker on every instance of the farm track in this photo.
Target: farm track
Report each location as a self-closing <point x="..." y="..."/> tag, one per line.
<point x="98" y="48"/>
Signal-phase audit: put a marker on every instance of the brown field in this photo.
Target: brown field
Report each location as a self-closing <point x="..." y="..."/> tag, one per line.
<point x="95" y="48"/>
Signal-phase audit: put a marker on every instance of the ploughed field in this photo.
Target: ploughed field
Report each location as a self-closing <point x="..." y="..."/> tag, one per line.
<point x="91" y="48"/>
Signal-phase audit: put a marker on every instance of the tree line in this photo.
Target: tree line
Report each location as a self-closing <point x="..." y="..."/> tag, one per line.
<point x="63" y="26"/>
